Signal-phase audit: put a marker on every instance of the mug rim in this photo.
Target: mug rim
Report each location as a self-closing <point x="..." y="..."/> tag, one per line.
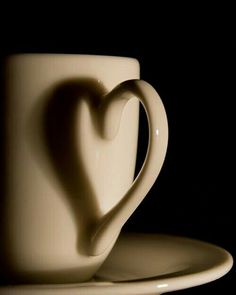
<point x="72" y="55"/>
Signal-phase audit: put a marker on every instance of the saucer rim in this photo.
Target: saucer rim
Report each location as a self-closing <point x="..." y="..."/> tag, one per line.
<point x="159" y="285"/>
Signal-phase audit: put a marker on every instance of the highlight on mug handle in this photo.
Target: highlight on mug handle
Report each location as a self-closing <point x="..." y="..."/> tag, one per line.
<point x="111" y="109"/>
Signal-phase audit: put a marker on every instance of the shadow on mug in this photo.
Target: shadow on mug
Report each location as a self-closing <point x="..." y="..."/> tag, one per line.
<point x="54" y="123"/>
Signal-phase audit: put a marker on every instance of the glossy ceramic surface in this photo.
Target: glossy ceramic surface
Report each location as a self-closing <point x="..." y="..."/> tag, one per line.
<point x="71" y="142"/>
<point x="146" y="264"/>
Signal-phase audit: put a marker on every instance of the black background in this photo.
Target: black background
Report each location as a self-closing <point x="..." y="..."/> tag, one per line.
<point x="190" y="59"/>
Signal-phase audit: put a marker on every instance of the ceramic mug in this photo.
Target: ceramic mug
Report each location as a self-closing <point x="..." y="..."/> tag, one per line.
<point x="71" y="130"/>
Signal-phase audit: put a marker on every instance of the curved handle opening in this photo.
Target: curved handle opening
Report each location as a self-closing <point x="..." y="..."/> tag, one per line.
<point x="109" y="227"/>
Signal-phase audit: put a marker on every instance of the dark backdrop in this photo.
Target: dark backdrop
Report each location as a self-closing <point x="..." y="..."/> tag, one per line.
<point x="191" y="63"/>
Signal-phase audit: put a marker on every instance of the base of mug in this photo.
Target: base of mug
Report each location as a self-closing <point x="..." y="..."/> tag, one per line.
<point x="13" y="274"/>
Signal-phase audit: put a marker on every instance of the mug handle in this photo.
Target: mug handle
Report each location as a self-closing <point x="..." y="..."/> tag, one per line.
<point x="111" y="109"/>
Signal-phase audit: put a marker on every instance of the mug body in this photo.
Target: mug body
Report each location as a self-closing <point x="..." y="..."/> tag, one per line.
<point x="61" y="176"/>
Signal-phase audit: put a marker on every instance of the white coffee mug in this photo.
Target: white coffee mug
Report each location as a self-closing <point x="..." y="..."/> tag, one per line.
<point x="71" y="139"/>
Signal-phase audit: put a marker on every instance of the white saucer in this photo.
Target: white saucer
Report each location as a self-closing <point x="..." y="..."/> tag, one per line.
<point x="145" y="264"/>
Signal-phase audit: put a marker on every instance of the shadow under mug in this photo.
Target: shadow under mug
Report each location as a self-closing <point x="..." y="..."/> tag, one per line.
<point x="70" y="133"/>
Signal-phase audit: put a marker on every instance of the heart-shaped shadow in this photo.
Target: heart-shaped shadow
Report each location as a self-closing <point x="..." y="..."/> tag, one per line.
<point x="54" y="142"/>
